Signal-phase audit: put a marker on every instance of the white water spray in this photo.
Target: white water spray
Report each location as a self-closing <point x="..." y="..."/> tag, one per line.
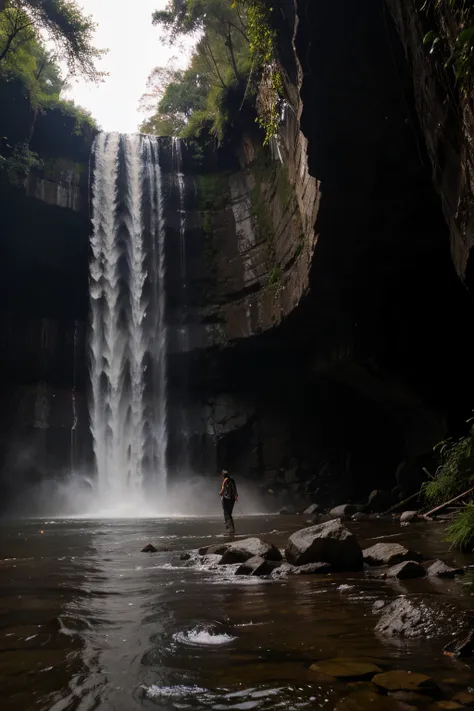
<point x="128" y="335"/>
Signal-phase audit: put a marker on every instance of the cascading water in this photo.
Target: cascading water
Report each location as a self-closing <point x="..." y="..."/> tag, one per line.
<point x="177" y="160"/>
<point x="75" y="415"/>
<point x="182" y="418"/>
<point x="128" y="335"/>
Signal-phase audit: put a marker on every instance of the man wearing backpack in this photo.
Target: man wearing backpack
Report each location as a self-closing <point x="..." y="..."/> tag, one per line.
<point x="229" y="496"/>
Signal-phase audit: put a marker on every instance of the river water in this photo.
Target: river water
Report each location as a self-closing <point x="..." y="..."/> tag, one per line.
<point x="87" y="621"/>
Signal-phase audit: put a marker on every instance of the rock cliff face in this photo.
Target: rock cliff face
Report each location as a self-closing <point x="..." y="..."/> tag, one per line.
<point x="329" y="359"/>
<point x="44" y="311"/>
<point x="447" y="121"/>
<point x="317" y="327"/>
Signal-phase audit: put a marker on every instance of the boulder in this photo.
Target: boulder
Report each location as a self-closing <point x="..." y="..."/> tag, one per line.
<point x="255" y="566"/>
<point x="439" y="569"/>
<point x="313" y="509"/>
<point x="210" y="562"/>
<point x="328" y="542"/>
<point x="282" y="571"/>
<point x="185" y="556"/>
<point x="347" y="669"/>
<point x="379" y="501"/>
<point x="344" y="511"/>
<point x="388" y="554"/>
<point x="408" y="516"/>
<point x="418" y="616"/>
<point x="149" y="548"/>
<point x="215" y="549"/>
<point x="241" y="551"/>
<point x="446" y="706"/>
<point x="401" y="680"/>
<point x="312" y="569"/>
<point x="408" y="570"/>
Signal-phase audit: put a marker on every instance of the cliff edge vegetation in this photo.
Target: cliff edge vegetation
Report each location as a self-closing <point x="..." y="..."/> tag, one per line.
<point x="37" y="39"/>
<point x="232" y="70"/>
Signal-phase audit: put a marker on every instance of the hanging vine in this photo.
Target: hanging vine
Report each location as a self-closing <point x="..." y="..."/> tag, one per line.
<point x="451" y="38"/>
<point x="262" y="40"/>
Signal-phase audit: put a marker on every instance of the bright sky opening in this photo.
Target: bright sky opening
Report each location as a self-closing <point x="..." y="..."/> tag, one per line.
<point x="135" y="48"/>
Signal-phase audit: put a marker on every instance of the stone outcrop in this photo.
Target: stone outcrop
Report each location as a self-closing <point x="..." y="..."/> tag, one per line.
<point x="439" y="569"/>
<point x="256" y="565"/>
<point x="329" y="543"/>
<point x="400" y="680"/>
<point x="413" y="617"/>
<point x="408" y="570"/>
<point x="350" y="192"/>
<point x="388" y="554"/>
<point x="241" y="551"/>
<point x="447" y="120"/>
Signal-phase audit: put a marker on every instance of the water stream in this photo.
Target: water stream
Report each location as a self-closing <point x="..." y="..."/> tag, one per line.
<point x="87" y="622"/>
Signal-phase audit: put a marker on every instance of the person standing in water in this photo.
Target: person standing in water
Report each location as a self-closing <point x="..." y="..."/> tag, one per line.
<point x="229" y="496"/>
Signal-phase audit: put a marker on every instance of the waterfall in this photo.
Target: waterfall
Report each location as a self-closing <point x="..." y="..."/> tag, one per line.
<point x="177" y="161"/>
<point x="75" y="414"/>
<point x="183" y="423"/>
<point x="128" y="332"/>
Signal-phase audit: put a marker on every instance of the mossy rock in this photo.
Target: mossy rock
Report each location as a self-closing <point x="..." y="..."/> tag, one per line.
<point x="350" y="669"/>
<point x="464" y="698"/>
<point x="401" y="680"/>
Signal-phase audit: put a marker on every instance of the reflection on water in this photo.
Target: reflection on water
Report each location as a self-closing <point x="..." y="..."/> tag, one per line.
<point x="88" y="622"/>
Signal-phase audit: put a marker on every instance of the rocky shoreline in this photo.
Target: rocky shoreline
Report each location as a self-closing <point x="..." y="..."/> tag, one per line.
<point x="329" y="548"/>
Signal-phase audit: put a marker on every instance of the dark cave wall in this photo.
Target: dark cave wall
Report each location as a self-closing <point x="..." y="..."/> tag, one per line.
<point x="446" y="116"/>
<point x="44" y="245"/>
<point x="375" y="345"/>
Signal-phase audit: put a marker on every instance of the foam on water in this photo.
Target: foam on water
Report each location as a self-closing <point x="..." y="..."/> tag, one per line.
<point x="172" y="692"/>
<point x="202" y="637"/>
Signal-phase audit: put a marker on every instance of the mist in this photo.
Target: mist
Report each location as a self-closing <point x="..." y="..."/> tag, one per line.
<point x="77" y="495"/>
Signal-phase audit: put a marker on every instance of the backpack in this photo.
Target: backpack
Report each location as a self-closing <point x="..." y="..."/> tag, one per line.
<point x="230" y="489"/>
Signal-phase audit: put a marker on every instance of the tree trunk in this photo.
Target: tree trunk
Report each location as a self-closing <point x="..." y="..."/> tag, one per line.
<point x="232" y="55"/>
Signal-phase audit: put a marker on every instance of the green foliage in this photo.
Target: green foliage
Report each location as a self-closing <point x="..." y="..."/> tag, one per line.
<point x="33" y="71"/>
<point x="461" y="532"/>
<point x="262" y="38"/>
<point x="451" y="39"/>
<point x="212" y="191"/>
<point x="455" y="475"/>
<point x="18" y="164"/>
<point x="455" y="472"/>
<point x="64" y="25"/>
<point x="274" y="277"/>
<point x="232" y="64"/>
<point x="82" y="118"/>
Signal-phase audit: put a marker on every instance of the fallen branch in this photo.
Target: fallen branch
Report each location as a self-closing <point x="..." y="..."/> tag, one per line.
<point x="402" y="503"/>
<point x="446" y="503"/>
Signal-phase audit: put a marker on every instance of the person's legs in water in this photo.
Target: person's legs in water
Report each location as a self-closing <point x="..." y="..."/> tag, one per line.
<point x="228" y="506"/>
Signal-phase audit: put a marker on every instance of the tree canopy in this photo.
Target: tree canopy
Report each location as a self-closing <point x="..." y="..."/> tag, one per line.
<point x="63" y="23"/>
<point x="31" y="81"/>
<point x="225" y="70"/>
